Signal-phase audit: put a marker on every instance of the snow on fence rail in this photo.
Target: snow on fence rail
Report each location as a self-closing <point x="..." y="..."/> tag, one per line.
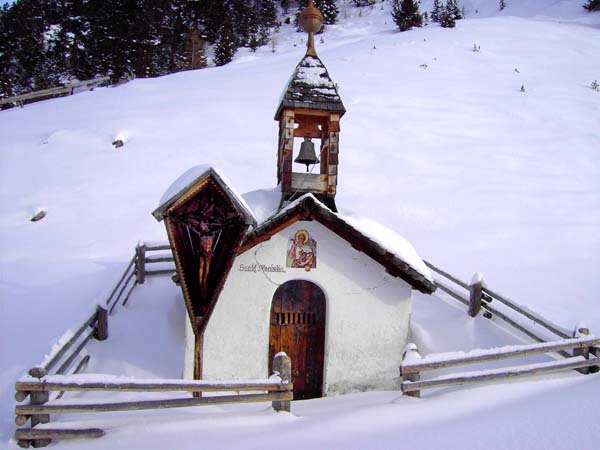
<point x="67" y="89"/>
<point x="278" y="388"/>
<point x="479" y="296"/>
<point x="413" y="364"/>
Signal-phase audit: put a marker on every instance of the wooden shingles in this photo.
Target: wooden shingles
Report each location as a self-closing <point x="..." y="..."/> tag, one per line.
<point x="311" y="87"/>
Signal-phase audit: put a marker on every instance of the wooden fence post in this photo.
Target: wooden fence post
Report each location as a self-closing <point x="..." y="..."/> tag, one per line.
<point x="411" y="353"/>
<point x="38" y="398"/>
<point x="582" y="331"/>
<point x="140" y="263"/>
<point x="475" y="294"/>
<point x="283" y="365"/>
<point x="101" y="323"/>
<point x="596" y="352"/>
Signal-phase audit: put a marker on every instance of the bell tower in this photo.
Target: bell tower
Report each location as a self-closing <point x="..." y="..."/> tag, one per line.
<point x="310" y="109"/>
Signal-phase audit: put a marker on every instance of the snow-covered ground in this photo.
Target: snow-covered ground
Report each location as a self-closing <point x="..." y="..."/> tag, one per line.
<point x="438" y="143"/>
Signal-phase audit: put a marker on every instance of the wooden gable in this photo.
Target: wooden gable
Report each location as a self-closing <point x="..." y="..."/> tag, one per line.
<point x="307" y="208"/>
<point x="206" y="224"/>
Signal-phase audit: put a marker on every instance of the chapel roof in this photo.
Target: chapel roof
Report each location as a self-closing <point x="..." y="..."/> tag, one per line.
<point x="399" y="260"/>
<point x="311" y="87"/>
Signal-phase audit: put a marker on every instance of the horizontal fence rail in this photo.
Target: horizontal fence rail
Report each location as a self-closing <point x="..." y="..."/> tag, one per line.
<point x="278" y="390"/>
<point x="60" y="90"/>
<point x="413" y="364"/>
<point x="66" y="383"/>
<point x="479" y="296"/>
<point x="444" y="360"/>
<point x="577" y="362"/>
<point x="152" y="404"/>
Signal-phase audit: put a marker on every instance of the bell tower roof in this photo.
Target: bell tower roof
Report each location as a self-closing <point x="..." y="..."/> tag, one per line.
<point x="311" y="87"/>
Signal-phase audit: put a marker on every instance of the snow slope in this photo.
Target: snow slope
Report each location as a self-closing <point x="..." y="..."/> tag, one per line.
<point x="439" y="144"/>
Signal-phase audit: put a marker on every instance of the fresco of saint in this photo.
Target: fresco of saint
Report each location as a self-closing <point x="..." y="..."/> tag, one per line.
<point x="302" y="251"/>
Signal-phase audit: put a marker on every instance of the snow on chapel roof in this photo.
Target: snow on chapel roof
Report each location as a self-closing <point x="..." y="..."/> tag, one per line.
<point x="383" y="245"/>
<point x="311" y="87"/>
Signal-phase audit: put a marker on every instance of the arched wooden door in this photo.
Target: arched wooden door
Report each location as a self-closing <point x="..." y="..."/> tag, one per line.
<point x="298" y="328"/>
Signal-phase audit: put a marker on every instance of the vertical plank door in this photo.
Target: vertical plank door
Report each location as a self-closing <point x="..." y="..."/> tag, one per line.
<point x="298" y="328"/>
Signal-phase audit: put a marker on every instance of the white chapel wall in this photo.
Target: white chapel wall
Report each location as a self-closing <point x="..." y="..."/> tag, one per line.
<point x="367" y="321"/>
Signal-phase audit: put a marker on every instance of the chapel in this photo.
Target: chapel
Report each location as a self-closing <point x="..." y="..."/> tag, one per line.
<point x="331" y="292"/>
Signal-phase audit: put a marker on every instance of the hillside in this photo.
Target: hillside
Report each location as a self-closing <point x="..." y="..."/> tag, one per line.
<point x="438" y="144"/>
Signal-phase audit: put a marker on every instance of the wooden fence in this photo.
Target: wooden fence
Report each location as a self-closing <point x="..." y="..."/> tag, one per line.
<point x="136" y="272"/>
<point x="49" y="380"/>
<point x="278" y="390"/>
<point x="575" y="348"/>
<point x="478" y="296"/>
<point x="61" y="90"/>
<point x="413" y="364"/>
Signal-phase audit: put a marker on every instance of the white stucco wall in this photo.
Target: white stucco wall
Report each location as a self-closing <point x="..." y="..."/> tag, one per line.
<point x="367" y="322"/>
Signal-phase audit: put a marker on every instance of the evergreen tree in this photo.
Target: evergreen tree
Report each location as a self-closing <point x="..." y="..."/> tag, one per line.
<point x="44" y="43"/>
<point x="453" y="8"/>
<point x="329" y="10"/>
<point x="226" y="44"/>
<point x="447" y="19"/>
<point x="592" y="5"/>
<point x="502" y="5"/>
<point x="406" y="14"/>
<point x="26" y="27"/>
<point x="211" y="17"/>
<point x="436" y="10"/>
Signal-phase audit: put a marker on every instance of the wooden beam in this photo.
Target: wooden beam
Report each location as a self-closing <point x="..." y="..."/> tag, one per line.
<point x="76" y="352"/>
<point x="151" y="248"/>
<point x="52" y="91"/>
<point x="159" y="260"/>
<point x="126" y="298"/>
<point x="120" y="280"/>
<point x="451" y="293"/>
<point x="59" y="354"/>
<point x="80" y="366"/>
<point x="309" y="182"/>
<point x="444" y="360"/>
<point x="140" y="263"/>
<point x="152" y="404"/>
<point x="161" y="272"/>
<point x="38" y="399"/>
<point x="101" y="333"/>
<point x="38" y="94"/>
<point x="498" y="374"/>
<point x="116" y="302"/>
<point x="29" y="433"/>
<point x="528" y="313"/>
<point x="475" y="294"/>
<point x="126" y="385"/>
<point x="447" y="275"/>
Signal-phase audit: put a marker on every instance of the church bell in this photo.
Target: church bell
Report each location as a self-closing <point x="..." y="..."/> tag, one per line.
<point x="307" y="153"/>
